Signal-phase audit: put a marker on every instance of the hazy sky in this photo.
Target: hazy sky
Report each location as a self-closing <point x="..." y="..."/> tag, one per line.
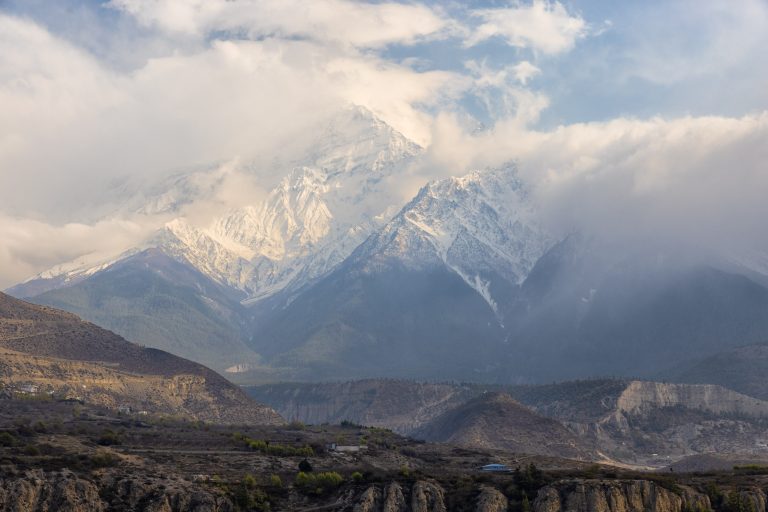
<point x="632" y="117"/>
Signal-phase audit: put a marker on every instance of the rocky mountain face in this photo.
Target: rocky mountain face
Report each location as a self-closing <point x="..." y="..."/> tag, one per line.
<point x="406" y="300"/>
<point x="53" y="354"/>
<point x="651" y="423"/>
<point x="481" y="226"/>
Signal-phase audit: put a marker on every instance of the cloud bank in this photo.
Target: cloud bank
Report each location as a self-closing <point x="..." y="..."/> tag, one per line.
<point x="250" y="80"/>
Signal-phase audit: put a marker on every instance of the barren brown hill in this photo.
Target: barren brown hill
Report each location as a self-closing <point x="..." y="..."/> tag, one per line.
<point x="65" y="356"/>
<point x="496" y="420"/>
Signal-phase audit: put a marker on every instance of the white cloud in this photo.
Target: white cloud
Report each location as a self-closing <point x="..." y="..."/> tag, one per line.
<point x="524" y="71"/>
<point x="73" y="124"/>
<point x="341" y="21"/>
<point x="542" y="25"/>
<point x="501" y="94"/>
<point x="253" y="79"/>
<point x="395" y="93"/>
<point x="692" y="182"/>
<point x="73" y="128"/>
<point x="30" y="246"/>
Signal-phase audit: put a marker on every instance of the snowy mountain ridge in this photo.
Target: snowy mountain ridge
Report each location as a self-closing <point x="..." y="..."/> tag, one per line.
<point x="482" y="226"/>
<point x="310" y="221"/>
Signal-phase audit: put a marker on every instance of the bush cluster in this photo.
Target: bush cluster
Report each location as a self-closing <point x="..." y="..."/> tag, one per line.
<point x="318" y="483"/>
<point x="280" y="450"/>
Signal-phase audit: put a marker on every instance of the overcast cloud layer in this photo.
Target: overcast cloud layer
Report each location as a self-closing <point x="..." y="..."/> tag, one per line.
<point x="636" y="120"/>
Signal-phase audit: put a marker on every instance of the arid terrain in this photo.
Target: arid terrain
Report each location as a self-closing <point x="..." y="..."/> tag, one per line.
<point x="69" y="456"/>
<point x="45" y="352"/>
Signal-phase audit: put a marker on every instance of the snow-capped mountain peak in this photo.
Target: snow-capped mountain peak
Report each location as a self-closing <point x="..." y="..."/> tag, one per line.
<point x="483" y="226"/>
<point x="339" y="193"/>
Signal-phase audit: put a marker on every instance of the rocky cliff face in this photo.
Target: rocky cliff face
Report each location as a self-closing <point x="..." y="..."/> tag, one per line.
<point x="633" y="420"/>
<point x="642" y="396"/>
<point x="427" y="497"/>
<point x="640" y="496"/>
<point x="617" y="496"/>
<point x="491" y="500"/>
<point x="424" y="496"/>
<point x="677" y="420"/>
<point x="37" y="491"/>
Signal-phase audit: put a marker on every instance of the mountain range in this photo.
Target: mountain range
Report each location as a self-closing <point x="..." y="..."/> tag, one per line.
<point x="335" y="273"/>
<point x="639" y="423"/>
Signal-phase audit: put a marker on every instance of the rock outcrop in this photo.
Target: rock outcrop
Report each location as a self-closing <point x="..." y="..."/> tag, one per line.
<point x="37" y="491"/>
<point x="369" y="501"/>
<point x="752" y="499"/>
<point x="643" y="396"/>
<point x="617" y="496"/>
<point x="427" y="496"/>
<point x="491" y="500"/>
<point x="394" y="501"/>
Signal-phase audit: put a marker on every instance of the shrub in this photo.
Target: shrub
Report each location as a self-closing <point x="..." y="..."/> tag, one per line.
<point x="751" y="469"/>
<point x="275" y="481"/>
<point x="31" y="449"/>
<point x="251" y="499"/>
<point x="305" y="466"/>
<point x="280" y="450"/>
<point x="357" y="477"/>
<point x="109" y="438"/>
<point x="104" y="460"/>
<point x="8" y="439"/>
<point x="304" y="479"/>
<point x="318" y="483"/>
<point x="249" y="481"/>
<point x="329" y="479"/>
